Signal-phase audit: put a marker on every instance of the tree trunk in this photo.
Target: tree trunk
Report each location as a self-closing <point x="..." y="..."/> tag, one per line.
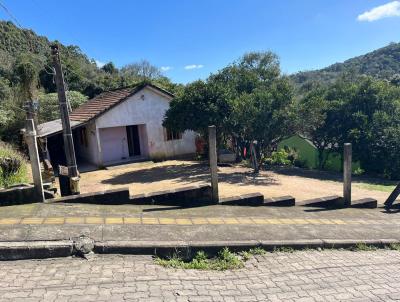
<point x="321" y="161"/>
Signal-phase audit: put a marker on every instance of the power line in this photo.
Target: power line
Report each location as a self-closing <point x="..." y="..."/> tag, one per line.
<point x="8" y="12"/>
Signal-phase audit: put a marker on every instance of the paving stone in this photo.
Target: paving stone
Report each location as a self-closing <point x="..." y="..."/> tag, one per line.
<point x="303" y="276"/>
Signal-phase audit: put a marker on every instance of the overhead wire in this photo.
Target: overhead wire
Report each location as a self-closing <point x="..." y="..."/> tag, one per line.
<point x="47" y="67"/>
<point x="8" y="12"/>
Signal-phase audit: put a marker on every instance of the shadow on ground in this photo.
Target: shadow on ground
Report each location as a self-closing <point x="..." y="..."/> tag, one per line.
<point x="189" y="174"/>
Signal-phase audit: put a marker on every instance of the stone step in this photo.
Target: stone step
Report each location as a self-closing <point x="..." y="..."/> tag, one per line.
<point x="282" y="201"/>
<point x="364" y="203"/>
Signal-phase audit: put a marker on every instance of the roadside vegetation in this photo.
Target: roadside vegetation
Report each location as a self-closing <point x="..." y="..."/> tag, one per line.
<point x="25" y="57"/>
<point x="227" y="260"/>
<point x="251" y="100"/>
<point x="13" y="166"/>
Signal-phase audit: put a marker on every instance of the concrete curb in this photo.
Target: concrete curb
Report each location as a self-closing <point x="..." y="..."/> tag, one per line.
<point x="63" y="248"/>
<point x="187" y="249"/>
<point x="16" y="250"/>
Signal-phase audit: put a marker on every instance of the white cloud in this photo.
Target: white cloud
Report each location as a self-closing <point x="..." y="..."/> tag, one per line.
<point x="391" y="9"/>
<point x="193" y="66"/>
<point x="99" y="63"/>
<point x="165" y="68"/>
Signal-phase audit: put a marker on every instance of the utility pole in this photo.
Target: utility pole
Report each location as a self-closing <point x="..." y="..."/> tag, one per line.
<point x="73" y="172"/>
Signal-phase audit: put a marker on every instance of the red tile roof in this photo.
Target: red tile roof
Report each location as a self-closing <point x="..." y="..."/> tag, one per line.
<point x="105" y="101"/>
<point x="99" y="104"/>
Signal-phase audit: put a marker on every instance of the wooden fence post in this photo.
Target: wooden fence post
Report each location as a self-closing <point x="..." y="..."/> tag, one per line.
<point x="212" y="137"/>
<point x="347" y="154"/>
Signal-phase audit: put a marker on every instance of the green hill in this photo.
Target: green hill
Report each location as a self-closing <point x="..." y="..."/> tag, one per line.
<point x="383" y="63"/>
<point x="26" y="72"/>
<point x="81" y="72"/>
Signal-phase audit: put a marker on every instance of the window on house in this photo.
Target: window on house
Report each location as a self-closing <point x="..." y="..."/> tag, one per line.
<point x="172" y="135"/>
<point x="83" y="136"/>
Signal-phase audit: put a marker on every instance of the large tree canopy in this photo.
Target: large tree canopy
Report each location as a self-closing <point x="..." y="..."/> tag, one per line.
<point x="363" y="112"/>
<point x="247" y="100"/>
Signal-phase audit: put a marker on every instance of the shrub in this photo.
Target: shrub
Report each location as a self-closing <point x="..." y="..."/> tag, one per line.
<point x="278" y="158"/>
<point x="225" y="260"/>
<point x="13" y="166"/>
<point x="359" y="171"/>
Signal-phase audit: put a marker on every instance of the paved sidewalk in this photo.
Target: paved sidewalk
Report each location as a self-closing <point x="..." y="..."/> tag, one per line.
<point x="299" y="276"/>
<point x="210" y="223"/>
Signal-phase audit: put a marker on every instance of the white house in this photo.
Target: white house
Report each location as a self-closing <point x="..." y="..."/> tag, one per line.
<point x="117" y="126"/>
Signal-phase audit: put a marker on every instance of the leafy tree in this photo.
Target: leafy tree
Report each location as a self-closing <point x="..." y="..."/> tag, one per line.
<point x="26" y="74"/>
<point x="312" y="117"/>
<point x="49" y="104"/>
<point x="200" y="105"/>
<point x="110" y="68"/>
<point x="247" y="100"/>
<point x="364" y="112"/>
<point x="395" y="79"/>
<point x="141" y="70"/>
<point x="264" y="115"/>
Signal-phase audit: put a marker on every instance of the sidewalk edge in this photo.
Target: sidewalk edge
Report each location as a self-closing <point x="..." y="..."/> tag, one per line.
<point x="17" y="250"/>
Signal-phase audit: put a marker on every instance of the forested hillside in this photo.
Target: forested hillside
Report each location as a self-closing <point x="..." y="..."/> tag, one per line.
<point x="383" y="63"/>
<point x="26" y="72"/>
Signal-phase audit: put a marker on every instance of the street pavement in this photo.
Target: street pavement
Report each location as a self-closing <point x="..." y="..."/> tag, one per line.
<point x="209" y="223"/>
<point x="309" y="275"/>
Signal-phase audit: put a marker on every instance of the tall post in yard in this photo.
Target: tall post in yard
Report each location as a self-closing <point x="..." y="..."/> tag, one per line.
<point x="31" y="140"/>
<point x="73" y="173"/>
<point x="212" y="145"/>
<point x="347" y="154"/>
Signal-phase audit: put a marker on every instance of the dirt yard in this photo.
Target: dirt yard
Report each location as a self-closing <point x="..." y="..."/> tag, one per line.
<point x="148" y="176"/>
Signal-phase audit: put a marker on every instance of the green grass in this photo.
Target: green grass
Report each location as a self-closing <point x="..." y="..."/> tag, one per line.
<point x="364" y="247"/>
<point x="246" y="255"/>
<point x="21" y="176"/>
<point x="394" y="246"/>
<point x="225" y="260"/>
<point x="377" y="187"/>
<point x="257" y="251"/>
<point x="283" y="250"/>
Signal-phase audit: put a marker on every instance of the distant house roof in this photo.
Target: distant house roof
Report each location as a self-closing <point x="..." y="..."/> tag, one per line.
<point x="106" y="100"/>
<point x="53" y="127"/>
<point x="96" y="107"/>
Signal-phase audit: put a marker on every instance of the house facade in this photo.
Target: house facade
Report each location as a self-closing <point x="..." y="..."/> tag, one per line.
<point x="118" y="126"/>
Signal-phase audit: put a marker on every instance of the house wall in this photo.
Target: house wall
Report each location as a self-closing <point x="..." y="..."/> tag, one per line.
<point x="305" y="150"/>
<point x="308" y="152"/>
<point x="87" y="153"/>
<point x="147" y="108"/>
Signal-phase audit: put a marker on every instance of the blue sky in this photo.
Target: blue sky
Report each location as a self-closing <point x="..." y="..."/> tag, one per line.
<point x="206" y="35"/>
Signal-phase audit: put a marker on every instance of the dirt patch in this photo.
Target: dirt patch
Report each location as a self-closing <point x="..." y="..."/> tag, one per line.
<point x="148" y="177"/>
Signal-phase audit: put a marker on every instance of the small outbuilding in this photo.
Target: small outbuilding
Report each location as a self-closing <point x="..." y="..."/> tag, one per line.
<point x="118" y="126"/>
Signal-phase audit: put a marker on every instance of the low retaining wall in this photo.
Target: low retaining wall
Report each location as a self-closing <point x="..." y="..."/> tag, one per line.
<point x="116" y="196"/>
<point x="188" y="196"/>
<point x="17" y="195"/>
<point x="253" y="199"/>
<point x="257" y="199"/>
